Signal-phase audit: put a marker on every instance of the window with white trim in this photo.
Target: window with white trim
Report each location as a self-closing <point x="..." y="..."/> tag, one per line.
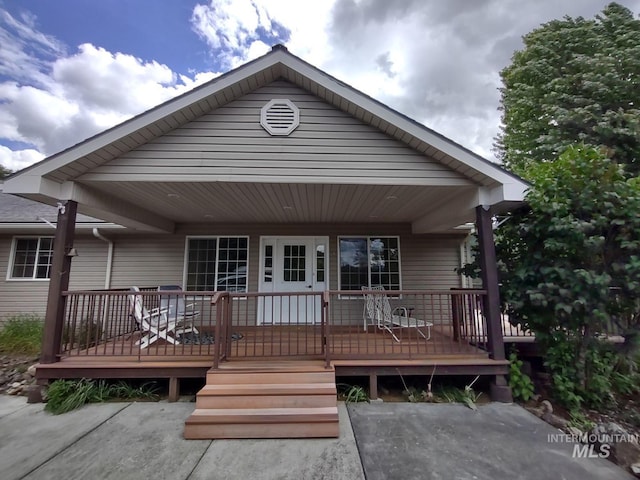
<point x="369" y="261"/>
<point x="217" y="263"/>
<point x="31" y="259"/>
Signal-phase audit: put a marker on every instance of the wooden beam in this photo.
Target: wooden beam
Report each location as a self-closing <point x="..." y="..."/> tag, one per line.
<point x="489" y="273"/>
<point x="500" y="390"/>
<point x="59" y="281"/>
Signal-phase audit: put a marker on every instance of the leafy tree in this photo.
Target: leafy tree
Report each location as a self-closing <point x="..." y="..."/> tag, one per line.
<point x="576" y="80"/>
<point x="570" y="266"/>
<point x="4" y="172"/>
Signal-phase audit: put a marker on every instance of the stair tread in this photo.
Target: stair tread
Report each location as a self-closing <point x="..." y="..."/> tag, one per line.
<point x="264" y="415"/>
<point x="266" y="411"/>
<point x="269" y="389"/>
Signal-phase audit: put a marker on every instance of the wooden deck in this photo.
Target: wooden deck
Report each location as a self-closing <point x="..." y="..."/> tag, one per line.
<point x="303" y="341"/>
<point x="353" y="352"/>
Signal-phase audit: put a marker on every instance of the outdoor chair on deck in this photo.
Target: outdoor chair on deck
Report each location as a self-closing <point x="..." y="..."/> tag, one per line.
<point x="177" y="309"/>
<point x="155" y="324"/>
<point x="377" y="311"/>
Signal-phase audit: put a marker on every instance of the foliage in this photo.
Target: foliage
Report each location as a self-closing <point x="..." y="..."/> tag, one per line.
<point x="520" y="383"/>
<point x="353" y="393"/>
<point x="85" y="334"/>
<point x="66" y="395"/>
<point x="4" y="172"/>
<point x="458" y="395"/>
<point x="22" y="334"/>
<point x="581" y="422"/>
<point x="570" y="267"/>
<point x="575" y="80"/>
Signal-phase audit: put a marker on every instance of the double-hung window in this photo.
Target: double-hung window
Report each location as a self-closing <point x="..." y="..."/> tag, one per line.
<point x="217" y="263"/>
<point x="31" y="258"/>
<point x="369" y="261"/>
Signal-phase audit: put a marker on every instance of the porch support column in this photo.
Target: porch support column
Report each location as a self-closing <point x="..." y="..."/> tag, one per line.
<point x="59" y="282"/>
<point x="500" y="390"/>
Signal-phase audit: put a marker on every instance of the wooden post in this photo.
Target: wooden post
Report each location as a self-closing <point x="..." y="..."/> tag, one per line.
<point x="489" y="271"/>
<point x="59" y="281"/>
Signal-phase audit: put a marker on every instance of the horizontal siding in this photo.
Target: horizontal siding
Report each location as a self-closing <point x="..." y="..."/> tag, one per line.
<point x="327" y="144"/>
<point x="88" y="271"/>
<point x="428" y="262"/>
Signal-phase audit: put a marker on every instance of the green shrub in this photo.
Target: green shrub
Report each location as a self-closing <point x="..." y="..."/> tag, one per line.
<point x="353" y="393"/>
<point x="66" y="395"/>
<point x="84" y="335"/>
<point x="22" y="334"/>
<point x="520" y="383"/>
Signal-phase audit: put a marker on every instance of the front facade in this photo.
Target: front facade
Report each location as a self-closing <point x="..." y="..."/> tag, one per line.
<point x="277" y="184"/>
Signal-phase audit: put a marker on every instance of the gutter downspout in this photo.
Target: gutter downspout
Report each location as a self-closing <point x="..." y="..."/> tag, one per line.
<point x="107" y="279"/>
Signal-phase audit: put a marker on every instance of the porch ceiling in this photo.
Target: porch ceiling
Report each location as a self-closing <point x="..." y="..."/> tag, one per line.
<point x="222" y="202"/>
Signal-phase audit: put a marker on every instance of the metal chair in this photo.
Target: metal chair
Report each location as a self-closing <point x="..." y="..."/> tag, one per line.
<point x="377" y="311"/>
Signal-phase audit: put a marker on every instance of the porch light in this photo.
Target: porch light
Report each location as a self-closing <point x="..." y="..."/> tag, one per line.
<point x="72" y="252"/>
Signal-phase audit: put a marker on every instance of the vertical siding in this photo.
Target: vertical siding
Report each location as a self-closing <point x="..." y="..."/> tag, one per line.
<point x="87" y="272"/>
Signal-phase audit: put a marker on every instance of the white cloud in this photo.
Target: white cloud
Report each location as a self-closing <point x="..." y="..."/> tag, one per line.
<point x="240" y="30"/>
<point x="437" y="62"/>
<point x="18" y="159"/>
<point x="53" y="104"/>
<point x="24" y="51"/>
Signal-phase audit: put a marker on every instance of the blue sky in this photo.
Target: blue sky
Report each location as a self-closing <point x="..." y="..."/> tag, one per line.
<point x="72" y="68"/>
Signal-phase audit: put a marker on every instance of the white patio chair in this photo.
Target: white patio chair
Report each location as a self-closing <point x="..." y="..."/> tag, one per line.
<point x="154" y="324"/>
<point x="377" y="311"/>
<point x="178" y="310"/>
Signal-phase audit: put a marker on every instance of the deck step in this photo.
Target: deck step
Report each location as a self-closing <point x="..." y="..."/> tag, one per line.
<point x="266" y="400"/>
<point x="264" y="415"/>
<point x="269" y="395"/>
<point x="260" y="377"/>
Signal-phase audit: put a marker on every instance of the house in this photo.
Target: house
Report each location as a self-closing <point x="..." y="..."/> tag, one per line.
<point x="29" y="225"/>
<point x="273" y="194"/>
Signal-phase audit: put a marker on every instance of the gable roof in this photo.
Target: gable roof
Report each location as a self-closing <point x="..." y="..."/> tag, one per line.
<point x="53" y="177"/>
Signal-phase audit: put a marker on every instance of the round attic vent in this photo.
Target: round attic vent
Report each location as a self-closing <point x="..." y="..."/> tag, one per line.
<point x="279" y="117"/>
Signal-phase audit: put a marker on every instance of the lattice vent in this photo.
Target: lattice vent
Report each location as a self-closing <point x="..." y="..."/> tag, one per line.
<point x="280" y="117"/>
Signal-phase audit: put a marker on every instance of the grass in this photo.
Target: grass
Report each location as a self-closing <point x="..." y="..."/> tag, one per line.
<point x="66" y="395"/>
<point x="352" y="393"/>
<point x="22" y="335"/>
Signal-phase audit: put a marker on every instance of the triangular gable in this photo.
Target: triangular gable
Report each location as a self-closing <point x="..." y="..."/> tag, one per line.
<point x="279" y="63"/>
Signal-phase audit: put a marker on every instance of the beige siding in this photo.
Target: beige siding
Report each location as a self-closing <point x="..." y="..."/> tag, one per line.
<point x="427" y="262"/>
<point x="229" y="142"/>
<point x="30" y="296"/>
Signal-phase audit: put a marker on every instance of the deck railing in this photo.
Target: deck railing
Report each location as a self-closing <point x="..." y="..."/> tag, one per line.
<point x="101" y="323"/>
<point x="328" y="325"/>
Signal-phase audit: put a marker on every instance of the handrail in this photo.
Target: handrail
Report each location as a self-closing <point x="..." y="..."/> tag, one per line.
<point x="326" y="338"/>
<point x="221" y="320"/>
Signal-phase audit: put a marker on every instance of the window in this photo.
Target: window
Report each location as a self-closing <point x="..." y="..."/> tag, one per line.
<point x="369" y="261"/>
<point x="32" y="258"/>
<point x="217" y="263"/>
<point x="295" y="263"/>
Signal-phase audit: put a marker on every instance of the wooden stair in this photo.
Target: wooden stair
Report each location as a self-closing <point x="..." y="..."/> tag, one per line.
<point x="285" y="399"/>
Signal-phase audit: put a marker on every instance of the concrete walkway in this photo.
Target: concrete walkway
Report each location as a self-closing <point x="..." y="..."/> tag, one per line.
<point x="392" y="441"/>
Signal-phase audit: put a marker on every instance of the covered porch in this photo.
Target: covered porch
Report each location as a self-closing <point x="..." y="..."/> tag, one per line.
<point x="272" y="194"/>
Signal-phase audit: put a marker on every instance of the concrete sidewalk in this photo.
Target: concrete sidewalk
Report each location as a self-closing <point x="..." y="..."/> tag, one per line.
<point x="392" y="441"/>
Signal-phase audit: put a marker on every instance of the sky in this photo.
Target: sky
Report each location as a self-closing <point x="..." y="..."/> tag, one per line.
<point x="72" y="68"/>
